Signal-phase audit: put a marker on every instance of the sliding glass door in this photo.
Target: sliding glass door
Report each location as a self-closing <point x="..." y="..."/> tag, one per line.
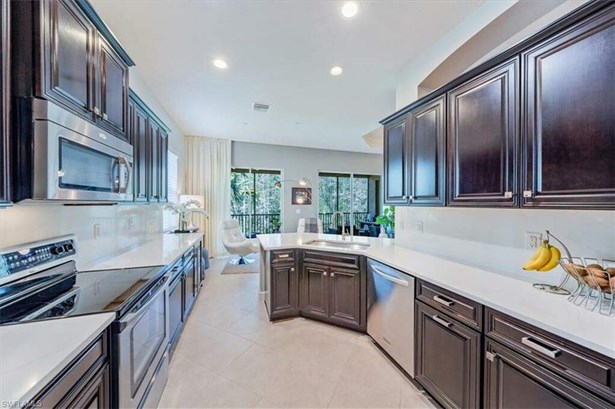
<point x="356" y="196"/>
<point x="255" y="200"/>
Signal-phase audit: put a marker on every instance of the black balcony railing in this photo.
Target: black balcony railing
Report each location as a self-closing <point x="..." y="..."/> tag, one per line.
<point x="253" y="224"/>
<point x="330" y="222"/>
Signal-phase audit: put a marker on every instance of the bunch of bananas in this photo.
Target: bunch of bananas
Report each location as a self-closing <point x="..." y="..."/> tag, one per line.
<point x="546" y="258"/>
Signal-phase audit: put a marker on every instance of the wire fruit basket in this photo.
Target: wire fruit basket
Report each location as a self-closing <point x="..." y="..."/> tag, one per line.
<point x="595" y="279"/>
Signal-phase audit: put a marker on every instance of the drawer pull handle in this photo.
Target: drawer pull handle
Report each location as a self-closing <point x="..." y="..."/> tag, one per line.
<point x="443" y="301"/>
<point x="552" y="353"/>
<point x="442" y="321"/>
<point x="283" y="255"/>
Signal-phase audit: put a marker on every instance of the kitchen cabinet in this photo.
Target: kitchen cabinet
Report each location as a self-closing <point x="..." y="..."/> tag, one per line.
<point x="570" y="127"/>
<point x="284" y="300"/>
<point x="448" y="361"/>
<point x="150" y="139"/>
<point x="5" y="182"/>
<point x="176" y="307"/>
<point x="396" y="163"/>
<point x="426" y="129"/>
<point x="315" y="291"/>
<point x="65" y="53"/>
<point x="333" y="289"/>
<point x="190" y="288"/>
<point x="483" y="139"/>
<point x="84" y="383"/>
<point x="513" y="381"/>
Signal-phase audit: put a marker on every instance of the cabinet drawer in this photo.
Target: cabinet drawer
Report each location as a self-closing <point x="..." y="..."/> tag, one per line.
<point x="580" y="365"/>
<point x="282" y="256"/>
<point x="467" y="311"/>
<point x="67" y="385"/>
<point x="332" y="259"/>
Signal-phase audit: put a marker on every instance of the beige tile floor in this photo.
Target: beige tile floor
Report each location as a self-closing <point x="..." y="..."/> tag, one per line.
<point x="231" y="356"/>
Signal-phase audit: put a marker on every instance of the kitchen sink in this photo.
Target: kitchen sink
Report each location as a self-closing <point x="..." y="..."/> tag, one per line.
<point x="338" y="244"/>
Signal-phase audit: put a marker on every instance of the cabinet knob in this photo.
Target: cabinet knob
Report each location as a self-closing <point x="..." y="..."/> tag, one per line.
<point x="332" y="275"/>
<point x="527" y="193"/>
<point x="105" y="116"/>
<point x="96" y="111"/>
<point x="292" y="270"/>
<point x="324" y="274"/>
<point x="508" y="195"/>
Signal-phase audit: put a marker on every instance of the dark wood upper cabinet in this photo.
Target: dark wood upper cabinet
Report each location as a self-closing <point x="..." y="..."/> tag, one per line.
<point x="164" y="165"/>
<point x="483" y="138"/>
<point x="64" y="52"/>
<point x="4" y="103"/>
<point x="426" y="129"/>
<point x="153" y="152"/>
<point x="139" y="143"/>
<point x="448" y="360"/>
<point x="396" y="164"/>
<point x="113" y="95"/>
<point x="347" y="306"/>
<point x="315" y="291"/>
<point x="569" y="109"/>
<point x="69" y="44"/>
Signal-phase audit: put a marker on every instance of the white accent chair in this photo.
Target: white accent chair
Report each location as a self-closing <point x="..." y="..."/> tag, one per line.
<point x="301" y="226"/>
<point x="236" y="243"/>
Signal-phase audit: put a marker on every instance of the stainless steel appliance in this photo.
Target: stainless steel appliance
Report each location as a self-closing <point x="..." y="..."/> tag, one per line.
<point x="390" y="313"/>
<point x="40" y="281"/>
<point x="73" y="160"/>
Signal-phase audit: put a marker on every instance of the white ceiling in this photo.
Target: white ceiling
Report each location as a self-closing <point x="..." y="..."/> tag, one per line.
<point x="280" y="53"/>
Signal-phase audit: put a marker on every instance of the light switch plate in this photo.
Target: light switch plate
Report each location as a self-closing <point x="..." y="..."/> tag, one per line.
<point x="96" y="230"/>
<point x="419" y="227"/>
<point x="532" y="240"/>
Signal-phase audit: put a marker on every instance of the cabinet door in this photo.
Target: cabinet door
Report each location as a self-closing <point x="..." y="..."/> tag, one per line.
<point x="483" y="138"/>
<point x="347" y="298"/>
<point x="314" y="291"/>
<point x="68" y="72"/>
<point x="426" y="135"/>
<point x="95" y="395"/>
<point x="113" y="89"/>
<point x="190" y="288"/>
<point x="569" y="107"/>
<point x="512" y="381"/>
<point x="284" y="291"/>
<point x="4" y="103"/>
<point x="448" y="359"/>
<point x="176" y="308"/>
<point x="153" y="160"/>
<point x="139" y="140"/>
<point x="395" y="163"/>
<point x="164" y="165"/>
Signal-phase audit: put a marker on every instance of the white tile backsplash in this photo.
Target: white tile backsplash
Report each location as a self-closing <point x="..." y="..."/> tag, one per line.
<point x="29" y="222"/>
<point x="494" y="239"/>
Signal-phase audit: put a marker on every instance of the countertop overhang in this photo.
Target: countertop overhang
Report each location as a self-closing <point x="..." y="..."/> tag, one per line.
<point x="506" y="294"/>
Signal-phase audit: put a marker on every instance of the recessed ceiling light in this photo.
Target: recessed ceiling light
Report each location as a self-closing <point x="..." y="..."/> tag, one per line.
<point x="350" y="9"/>
<point x="220" y="63"/>
<point x="336" y="70"/>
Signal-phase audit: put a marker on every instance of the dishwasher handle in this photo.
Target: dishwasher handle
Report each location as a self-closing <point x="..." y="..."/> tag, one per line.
<point x="390" y="278"/>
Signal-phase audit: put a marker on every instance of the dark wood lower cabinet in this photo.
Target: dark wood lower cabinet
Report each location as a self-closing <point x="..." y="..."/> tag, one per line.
<point x="347" y="304"/>
<point x="513" y="381"/>
<point x="176" y="308"/>
<point x="315" y="291"/>
<point x="96" y="394"/>
<point x="284" y="291"/>
<point x="447" y="358"/>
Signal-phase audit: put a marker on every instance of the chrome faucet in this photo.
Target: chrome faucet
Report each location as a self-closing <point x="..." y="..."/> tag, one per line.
<point x="343" y="229"/>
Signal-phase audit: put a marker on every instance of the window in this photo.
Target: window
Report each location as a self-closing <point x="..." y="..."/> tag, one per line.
<point x="354" y="195"/>
<point x="256" y="200"/>
<point x="170" y="220"/>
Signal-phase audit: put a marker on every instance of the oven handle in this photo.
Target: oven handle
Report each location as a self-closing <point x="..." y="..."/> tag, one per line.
<point x="51" y="305"/>
<point x="130" y="318"/>
<point x="122" y="161"/>
<point x="387" y="277"/>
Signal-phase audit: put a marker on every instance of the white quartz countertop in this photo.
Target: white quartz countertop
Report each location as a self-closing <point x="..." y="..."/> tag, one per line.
<point x="514" y="297"/>
<point x="160" y="251"/>
<point x="33" y="353"/>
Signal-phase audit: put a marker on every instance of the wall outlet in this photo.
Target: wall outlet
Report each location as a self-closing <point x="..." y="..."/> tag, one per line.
<point x="532" y="240"/>
<point x="298" y="211"/>
<point x="131" y="223"/>
<point x="96" y="230"/>
<point x="419" y="227"/>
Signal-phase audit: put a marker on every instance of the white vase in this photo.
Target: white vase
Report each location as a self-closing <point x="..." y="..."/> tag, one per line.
<point x="383" y="233"/>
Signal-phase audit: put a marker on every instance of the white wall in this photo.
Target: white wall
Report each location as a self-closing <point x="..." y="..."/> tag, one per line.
<point x="29" y="222"/>
<point x="296" y="163"/>
<point x="495" y="238"/>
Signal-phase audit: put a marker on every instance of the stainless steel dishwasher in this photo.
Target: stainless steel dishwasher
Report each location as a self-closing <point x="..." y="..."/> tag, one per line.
<point x="390" y="313"/>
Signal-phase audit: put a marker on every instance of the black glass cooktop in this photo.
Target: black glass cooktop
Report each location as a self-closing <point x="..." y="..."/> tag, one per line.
<point x="62" y="291"/>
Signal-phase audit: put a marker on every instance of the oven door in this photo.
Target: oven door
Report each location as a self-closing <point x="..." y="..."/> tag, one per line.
<point x="142" y="343"/>
<point x="71" y="166"/>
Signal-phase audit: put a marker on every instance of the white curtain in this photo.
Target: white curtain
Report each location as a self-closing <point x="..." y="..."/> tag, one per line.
<point x="208" y="173"/>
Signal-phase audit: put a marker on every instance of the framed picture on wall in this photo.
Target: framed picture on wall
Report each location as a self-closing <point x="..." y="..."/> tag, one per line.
<point x="301" y="196"/>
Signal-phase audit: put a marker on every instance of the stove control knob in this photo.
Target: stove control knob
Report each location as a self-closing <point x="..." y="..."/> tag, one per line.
<point x="68" y="247"/>
<point x="56" y="251"/>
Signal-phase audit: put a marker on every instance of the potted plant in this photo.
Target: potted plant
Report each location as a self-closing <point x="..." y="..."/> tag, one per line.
<point x="387" y="221"/>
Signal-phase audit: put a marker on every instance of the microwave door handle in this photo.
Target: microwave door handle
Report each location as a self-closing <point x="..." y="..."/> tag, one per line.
<point x="123" y="162"/>
<point x="115" y="180"/>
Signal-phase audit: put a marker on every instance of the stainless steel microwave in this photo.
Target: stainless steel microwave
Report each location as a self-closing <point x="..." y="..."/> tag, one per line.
<point x="74" y="160"/>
